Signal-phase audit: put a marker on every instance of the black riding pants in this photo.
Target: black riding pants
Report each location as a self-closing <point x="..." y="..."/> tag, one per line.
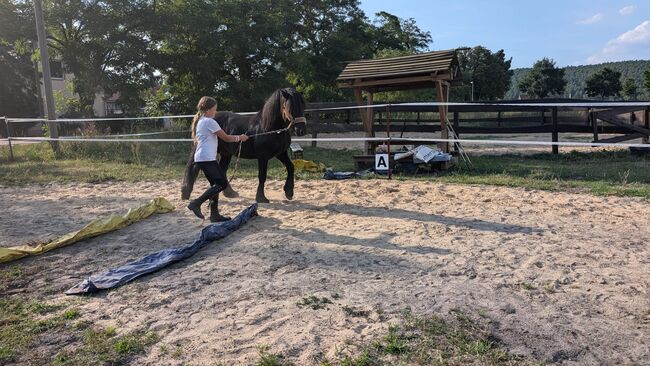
<point x="214" y="174"/>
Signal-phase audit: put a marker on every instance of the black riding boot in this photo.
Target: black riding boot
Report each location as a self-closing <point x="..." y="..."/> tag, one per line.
<point x="214" y="211"/>
<point x="195" y="205"/>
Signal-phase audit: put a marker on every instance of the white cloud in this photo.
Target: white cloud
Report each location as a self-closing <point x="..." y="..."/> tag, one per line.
<point x="634" y="44"/>
<point x="594" y="19"/>
<point x="627" y="10"/>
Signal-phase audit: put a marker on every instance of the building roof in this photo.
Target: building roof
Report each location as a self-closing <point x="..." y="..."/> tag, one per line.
<point x="401" y="72"/>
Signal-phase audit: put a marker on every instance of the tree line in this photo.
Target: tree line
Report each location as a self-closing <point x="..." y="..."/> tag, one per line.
<point x="165" y="54"/>
<point x="162" y="55"/>
<point x="612" y="80"/>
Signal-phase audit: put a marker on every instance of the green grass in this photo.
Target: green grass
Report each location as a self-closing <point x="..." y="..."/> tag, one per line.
<point x="599" y="173"/>
<point x="22" y="322"/>
<point x="459" y="340"/>
<point x="103" y="346"/>
<point x="25" y="323"/>
<point x="314" y="302"/>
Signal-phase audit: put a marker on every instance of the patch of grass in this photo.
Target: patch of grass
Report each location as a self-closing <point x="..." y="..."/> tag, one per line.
<point x="394" y="341"/>
<point x="314" y="302"/>
<point x="599" y="172"/>
<point x="22" y="322"/>
<point x="9" y="275"/>
<point x="270" y="359"/>
<point x="528" y="286"/>
<point x="355" y="313"/>
<point x="460" y="340"/>
<point x="177" y="352"/>
<point x="71" y="314"/>
<point x="103" y="346"/>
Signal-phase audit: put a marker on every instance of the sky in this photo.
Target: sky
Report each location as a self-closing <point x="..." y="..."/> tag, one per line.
<point x="571" y="32"/>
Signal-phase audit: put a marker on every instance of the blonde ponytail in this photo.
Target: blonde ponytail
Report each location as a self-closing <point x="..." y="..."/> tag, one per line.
<point x="204" y="104"/>
<point x="196" y="118"/>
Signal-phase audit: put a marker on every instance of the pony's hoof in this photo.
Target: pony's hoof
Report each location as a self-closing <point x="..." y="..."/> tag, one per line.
<point x="289" y="196"/>
<point x="262" y="200"/>
<point x="230" y="193"/>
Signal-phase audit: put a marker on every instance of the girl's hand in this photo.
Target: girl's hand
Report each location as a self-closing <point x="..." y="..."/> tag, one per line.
<point x="243" y="138"/>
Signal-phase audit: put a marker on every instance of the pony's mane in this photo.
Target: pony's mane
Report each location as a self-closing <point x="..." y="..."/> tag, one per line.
<point x="270" y="111"/>
<point x="270" y="116"/>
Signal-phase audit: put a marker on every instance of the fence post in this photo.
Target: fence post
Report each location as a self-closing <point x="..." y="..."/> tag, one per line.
<point x="556" y="149"/>
<point x="594" y="123"/>
<point x="456" y="118"/>
<point x="646" y="123"/>
<point x="11" y="150"/>
<point x="314" y="130"/>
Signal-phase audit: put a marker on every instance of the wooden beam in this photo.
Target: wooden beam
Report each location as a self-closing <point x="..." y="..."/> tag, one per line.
<point x="358" y="96"/>
<point x="613" y="140"/>
<point x="442" y="97"/>
<point x="594" y="123"/>
<point x="315" y="116"/>
<point x="395" y="81"/>
<point x="646" y="123"/>
<point x="612" y="118"/>
<point x="370" y="132"/>
<point x="554" y="134"/>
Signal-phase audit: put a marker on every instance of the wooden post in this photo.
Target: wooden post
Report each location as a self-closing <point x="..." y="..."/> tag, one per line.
<point x="499" y="119"/>
<point x="366" y="116"/>
<point x="11" y="150"/>
<point x="371" y="114"/>
<point x="314" y="130"/>
<point x="594" y="123"/>
<point x="442" y="110"/>
<point x="556" y="149"/>
<point x="456" y="129"/>
<point x="47" y="79"/>
<point x="646" y="122"/>
<point x="388" y="142"/>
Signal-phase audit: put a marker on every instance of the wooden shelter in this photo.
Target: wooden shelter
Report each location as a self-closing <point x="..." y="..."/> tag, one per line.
<point x="437" y="69"/>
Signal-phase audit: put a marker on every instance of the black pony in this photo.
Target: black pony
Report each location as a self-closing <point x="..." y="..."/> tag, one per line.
<point x="270" y="137"/>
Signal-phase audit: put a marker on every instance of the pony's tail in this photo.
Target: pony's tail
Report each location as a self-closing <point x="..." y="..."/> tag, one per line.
<point x="196" y="118"/>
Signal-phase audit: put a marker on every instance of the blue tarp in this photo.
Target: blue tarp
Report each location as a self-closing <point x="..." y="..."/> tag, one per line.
<point x="119" y="276"/>
<point x="332" y="175"/>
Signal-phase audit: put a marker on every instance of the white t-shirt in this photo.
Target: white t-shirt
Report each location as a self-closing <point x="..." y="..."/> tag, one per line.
<point x="207" y="141"/>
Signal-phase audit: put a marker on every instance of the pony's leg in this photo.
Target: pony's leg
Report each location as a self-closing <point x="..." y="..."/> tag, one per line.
<point x="224" y="161"/>
<point x="288" y="185"/>
<point x="262" y="165"/>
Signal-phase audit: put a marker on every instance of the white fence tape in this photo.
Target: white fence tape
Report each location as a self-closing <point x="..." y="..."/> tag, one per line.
<point x="392" y="140"/>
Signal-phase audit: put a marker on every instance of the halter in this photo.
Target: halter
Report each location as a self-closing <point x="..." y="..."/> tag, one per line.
<point x="286" y="115"/>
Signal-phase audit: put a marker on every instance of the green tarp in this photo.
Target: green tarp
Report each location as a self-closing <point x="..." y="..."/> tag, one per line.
<point x="95" y="228"/>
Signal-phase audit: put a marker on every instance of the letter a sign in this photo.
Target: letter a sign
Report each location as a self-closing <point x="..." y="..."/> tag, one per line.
<point x="381" y="162"/>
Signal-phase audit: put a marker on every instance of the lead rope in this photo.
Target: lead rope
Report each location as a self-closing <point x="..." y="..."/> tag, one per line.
<point x="236" y="163"/>
<point x="255" y="135"/>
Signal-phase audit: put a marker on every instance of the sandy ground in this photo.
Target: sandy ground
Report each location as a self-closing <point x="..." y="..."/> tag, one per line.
<point x="382" y="246"/>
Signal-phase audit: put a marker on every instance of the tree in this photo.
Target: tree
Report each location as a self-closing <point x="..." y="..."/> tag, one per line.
<point x="629" y="88"/>
<point x="389" y="32"/>
<point x="490" y="72"/>
<point x="543" y="80"/>
<point x="18" y="88"/>
<point x="104" y="44"/>
<point x="604" y="83"/>
<point x="646" y="80"/>
<point x="331" y="32"/>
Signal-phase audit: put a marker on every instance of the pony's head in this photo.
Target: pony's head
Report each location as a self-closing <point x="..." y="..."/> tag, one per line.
<point x="292" y="106"/>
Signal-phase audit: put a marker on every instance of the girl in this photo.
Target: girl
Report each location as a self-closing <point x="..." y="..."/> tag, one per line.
<point x="206" y="133"/>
